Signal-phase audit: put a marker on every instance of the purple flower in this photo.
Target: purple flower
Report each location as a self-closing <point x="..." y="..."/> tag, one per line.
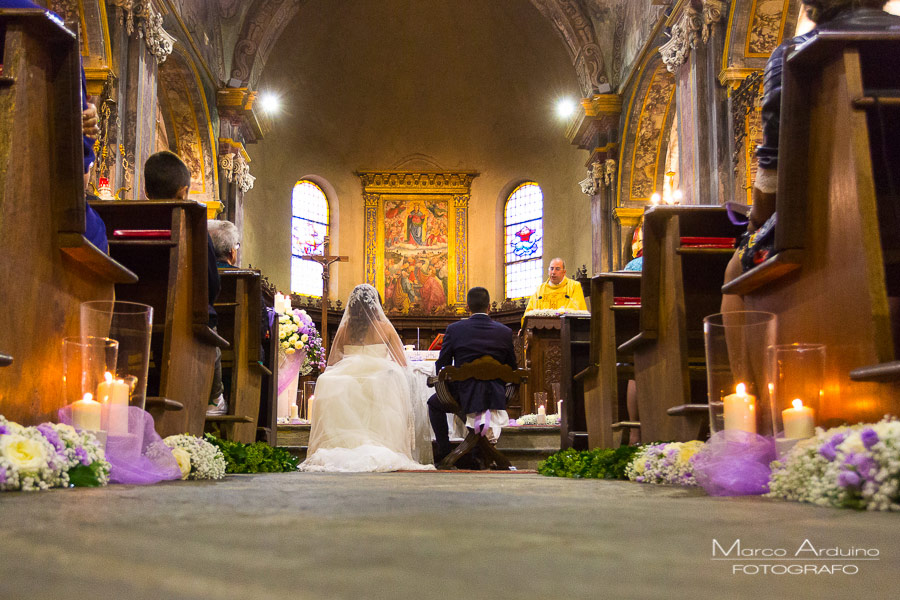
<point x="3" y="430"/>
<point x="828" y="451"/>
<point x="869" y="438"/>
<point x="2" y="475"/>
<point x="51" y="436"/>
<point x="81" y="453"/>
<point x="848" y="479"/>
<point x="837" y="439"/>
<point x="863" y="464"/>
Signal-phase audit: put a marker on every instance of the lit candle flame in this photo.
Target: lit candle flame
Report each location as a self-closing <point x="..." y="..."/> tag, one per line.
<point x="108" y="376"/>
<point x="741" y="389"/>
<point x="797" y="403"/>
<point x="88" y="396"/>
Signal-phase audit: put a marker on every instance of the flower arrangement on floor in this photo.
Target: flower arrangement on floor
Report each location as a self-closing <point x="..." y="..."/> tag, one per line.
<point x="602" y="463"/>
<point x="668" y="463"/>
<point x="531" y="419"/>
<point x="49" y="455"/>
<point x="258" y="457"/>
<point x="556" y="312"/>
<point x="853" y="467"/>
<point x="197" y="458"/>
<point x="298" y="333"/>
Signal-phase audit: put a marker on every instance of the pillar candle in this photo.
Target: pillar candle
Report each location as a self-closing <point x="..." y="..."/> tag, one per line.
<point x="541" y="415"/>
<point x="295" y="412"/>
<point x="559" y="408"/>
<point x="86" y="413"/>
<point x="799" y="421"/>
<point x="279" y="303"/>
<point x="113" y="393"/>
<point x="740" y="410"/>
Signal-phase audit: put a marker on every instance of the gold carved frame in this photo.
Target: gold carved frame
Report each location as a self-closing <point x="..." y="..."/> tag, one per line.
<point x="454" y="188"/>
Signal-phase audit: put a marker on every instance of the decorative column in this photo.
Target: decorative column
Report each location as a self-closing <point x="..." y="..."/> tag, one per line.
<point x="691" y="54"/>
<point x="239" y="124"/>
<point x="595" y="128"/>
<point x="139" y="44"/>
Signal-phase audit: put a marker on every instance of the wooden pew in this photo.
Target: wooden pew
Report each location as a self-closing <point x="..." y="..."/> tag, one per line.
<point x="239" y="307"/>
<point x="836" y="268"/>
<point x="267" y="423"/>
<point x="679" y="286"/>
<point x="614" y="321"/>
<point x="172" y="270"/>
<point x="48" y="267"/>
<point x="575" y="344"/>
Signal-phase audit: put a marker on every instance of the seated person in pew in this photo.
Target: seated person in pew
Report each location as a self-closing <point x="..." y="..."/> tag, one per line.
<point x="828" y="15"/>
<point x="558" y="292"/>
<point x="166" y="177"/>
<point x="635" y="264"/>
<point x="226" y="240"/>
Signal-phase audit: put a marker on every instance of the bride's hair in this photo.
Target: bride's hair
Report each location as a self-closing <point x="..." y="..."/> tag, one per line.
<point x="364" y="301"/>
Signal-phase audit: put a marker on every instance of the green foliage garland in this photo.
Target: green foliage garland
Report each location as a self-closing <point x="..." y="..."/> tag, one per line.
<point x="257" y="457"/>
<point x="602" y="463"/>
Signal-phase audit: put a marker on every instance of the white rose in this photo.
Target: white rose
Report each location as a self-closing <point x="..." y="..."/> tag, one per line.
<point x="289" y="351"/>
<point x="285" y="345"/>
<point x="304" y="338"/>
<point x="298" y="345"/>
<point x="24" y="453"/>
<point x="183" y="458"/>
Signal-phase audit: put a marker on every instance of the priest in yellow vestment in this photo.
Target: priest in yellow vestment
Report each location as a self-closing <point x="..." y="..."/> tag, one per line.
<point x="558" y="292"/>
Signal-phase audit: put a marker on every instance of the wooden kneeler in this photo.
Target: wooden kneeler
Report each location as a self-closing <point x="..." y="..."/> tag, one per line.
<point x="485" y="368"/>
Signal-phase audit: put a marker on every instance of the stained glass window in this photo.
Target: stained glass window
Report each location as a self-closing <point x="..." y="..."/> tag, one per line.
<point x="309" y="226"/>
<point x="523" y="221"/>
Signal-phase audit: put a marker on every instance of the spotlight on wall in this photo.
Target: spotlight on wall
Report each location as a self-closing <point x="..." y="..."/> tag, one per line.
<point x="269" y="102"/>
<point x="565" y="108"/>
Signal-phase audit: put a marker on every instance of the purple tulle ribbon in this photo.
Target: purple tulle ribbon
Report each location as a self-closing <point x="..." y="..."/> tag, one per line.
<point x="289" y="368"/>
<point x="138" y="457"/>
<point x="734" y="463"/>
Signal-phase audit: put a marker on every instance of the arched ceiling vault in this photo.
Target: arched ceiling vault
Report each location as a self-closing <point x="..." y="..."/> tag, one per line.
<point x="266" y="20"/>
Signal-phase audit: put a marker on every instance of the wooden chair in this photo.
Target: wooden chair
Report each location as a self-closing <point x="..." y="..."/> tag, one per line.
<point x="836" y="267"/>
<point x="172" y="269"/>
<point x="679" y="287"/>
<point x="575" y="343"/>
<point x="238" y="307"/>
<point x="485" y="368"/>
<point x="267" y="422"/>
<point x="615" y="319"/>
<point x="48" y="267"/>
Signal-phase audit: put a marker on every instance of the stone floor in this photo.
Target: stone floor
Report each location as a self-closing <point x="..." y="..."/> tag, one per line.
<point x="411" y="535"/>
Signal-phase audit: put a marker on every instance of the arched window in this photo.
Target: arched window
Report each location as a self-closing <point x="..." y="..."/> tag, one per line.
<point x="309" y="226"/>
<point x="523" y="226"/>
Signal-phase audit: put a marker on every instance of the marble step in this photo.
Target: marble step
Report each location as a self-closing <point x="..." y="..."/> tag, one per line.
<point x="524" y="446"/>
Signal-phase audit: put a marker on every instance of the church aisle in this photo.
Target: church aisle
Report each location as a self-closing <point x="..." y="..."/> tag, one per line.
<point x="409" y="535"/>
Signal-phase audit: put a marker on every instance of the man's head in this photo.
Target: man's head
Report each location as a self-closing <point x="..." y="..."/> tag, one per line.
<point x="166" y="177"/>
<point x="478" y="300"/>
<point x="226" y="240"/>
<point x="556" y="270"/>
<point x="820" y="11"/>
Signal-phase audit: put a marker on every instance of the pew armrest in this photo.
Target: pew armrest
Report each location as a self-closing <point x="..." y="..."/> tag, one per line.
<point x="764" y="273"/>
<point x="162" y="404"/>
<point x="644" y="337"/>
<point x="255" y="364"/>
<point x="5" y="360"/>
<point x="688" y="410"/>
<point x="206" y="334"/>
<point x="228" y="419"/>
<point x="93" y="259"/>
<point x="591" y="371"/>
<point x="882" y="373"/>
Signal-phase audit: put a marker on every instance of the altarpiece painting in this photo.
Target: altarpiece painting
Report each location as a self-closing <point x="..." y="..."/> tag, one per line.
<point x="416" y="228"/>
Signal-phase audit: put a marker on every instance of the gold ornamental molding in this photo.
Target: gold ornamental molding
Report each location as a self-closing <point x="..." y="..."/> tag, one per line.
<point x="733" y="76"/>
<point x="406" y="182"/>
<point x="594" y="114"/>
<point x="238" y="105"/>
<point x="627" y="217"/>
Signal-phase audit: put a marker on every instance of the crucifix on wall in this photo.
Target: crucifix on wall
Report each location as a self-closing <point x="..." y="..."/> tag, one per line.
<point x="325" y="259"/>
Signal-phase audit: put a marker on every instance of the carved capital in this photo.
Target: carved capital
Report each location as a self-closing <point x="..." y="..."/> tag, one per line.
<point x="691" y="29"/>
<point x="609" y="171"/>
<point x="237" y="171"/>
<point x="140" y="17"/>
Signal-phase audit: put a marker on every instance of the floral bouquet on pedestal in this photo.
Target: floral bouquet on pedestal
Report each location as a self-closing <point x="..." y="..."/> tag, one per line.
<point x="197" y="458"/>
<point x="301" y="353"/>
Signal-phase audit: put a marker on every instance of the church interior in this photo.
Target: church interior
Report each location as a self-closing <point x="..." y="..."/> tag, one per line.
<point x="696" y="277"/>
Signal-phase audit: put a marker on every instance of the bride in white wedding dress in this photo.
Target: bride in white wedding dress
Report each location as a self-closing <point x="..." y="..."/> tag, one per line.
<point x="363" y="416"/>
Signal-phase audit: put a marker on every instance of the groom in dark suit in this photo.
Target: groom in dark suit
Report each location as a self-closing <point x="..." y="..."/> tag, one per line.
<point x="464" y="342"/>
